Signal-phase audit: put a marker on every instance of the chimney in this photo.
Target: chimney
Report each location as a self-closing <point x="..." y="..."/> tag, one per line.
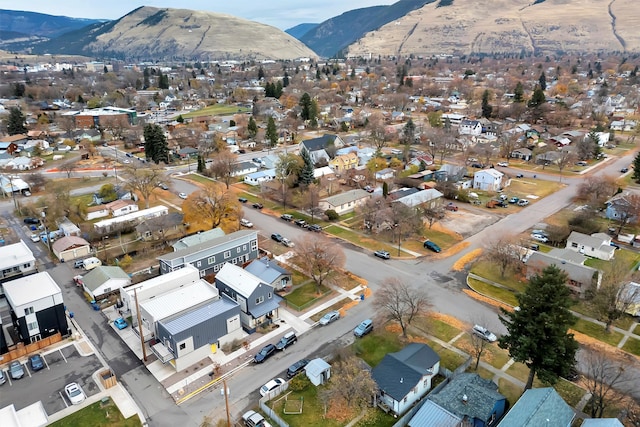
<point x="465" y="399"/>
<point x="401" y="380"/>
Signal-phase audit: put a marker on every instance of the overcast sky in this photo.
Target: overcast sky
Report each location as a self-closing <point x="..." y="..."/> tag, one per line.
<point x="279" y="13"/>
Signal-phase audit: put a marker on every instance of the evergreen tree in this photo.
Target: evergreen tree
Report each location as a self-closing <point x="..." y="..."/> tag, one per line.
<point x="538" y="98"/>
<point x="487" y="109"/>
<point x="260" y="73"/>
<point x="277" y="91"/>
<point x="15" y="122"/>
<point x="306" y="174"/>
<point x="305" y="103"/>
<point x="201" y="164"/>
<point x="147" y="82"/>
<point x="272" y="132"/>
<point x="155" y="143"/>
<point x="538" y="332"/>
<point x="636" y="168"/>
<point x="385" y="189"/>
<point x="543" y="81"/>
<point x="285" y="80"/>
<point x="518" y="93"/>
<point x="252" y="128"/>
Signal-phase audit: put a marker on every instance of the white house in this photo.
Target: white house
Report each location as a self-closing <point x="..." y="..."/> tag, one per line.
<point x="16" y="260"/>
<point x="598" y="245"/>
<point x="103" y="280"/>
<point x="488" y="180"/>
<point x="259" y="177"/>
<point x="122" y="207"/>
<point x="470" y="127"/>
<point x="344" y="202"/>
<point x="133" y="217"/>
<point x="384" y="174"/>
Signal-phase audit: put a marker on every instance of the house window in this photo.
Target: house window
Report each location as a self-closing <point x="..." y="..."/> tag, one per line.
<point x="27" y="265"/>
<point x="216" y="268"/>
<point x="405" y="399"/>
<point x="227" y="254"/>
<point x="211" y="260"/>
<point x="244" y="248"/>
<point x="254" y="245"/>
<point x="107" y="290"/>
<point x="183" y="346"/>
<point x="425" y="383"/>
<point x="574" y="245"/>
<point x="234" y="261"/>
<point x="203" y="273"/>
<point x="260" y="300"/>
<point x="32" y="325"/>
<point x="28" y="310"/>
<point x="238" y="250"/>
<point x="198" y="264"/>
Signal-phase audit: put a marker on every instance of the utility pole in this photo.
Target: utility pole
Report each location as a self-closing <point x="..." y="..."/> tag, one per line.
<point x="226" y="400"/>
<point x="46" y="230"/>
<point x="144" y="351"/>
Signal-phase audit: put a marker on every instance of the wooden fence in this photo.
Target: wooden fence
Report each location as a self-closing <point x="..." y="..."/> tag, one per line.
<point x="20" y="350"/>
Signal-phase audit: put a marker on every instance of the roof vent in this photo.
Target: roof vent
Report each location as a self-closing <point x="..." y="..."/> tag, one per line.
<point x="401" y="380"/>
<point x="465" y="398"/>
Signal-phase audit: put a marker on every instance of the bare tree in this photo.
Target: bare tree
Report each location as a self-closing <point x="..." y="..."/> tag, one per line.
<point x="117" y="126"/>
<point x="504" y="253"/>
<point x="319" y="257"/>
<point x="433" y="215"/>
<point x="36" y="181"/>
<point x="478" y="346"/>
<point x="213" y="204"/>
<point x="566" y="158"/>
<point x="405" y="220"/>
<point x="627" y="208"/>
<point x="377" y="134"/>
<point x="401" y="303"/>
<point x="603" y="377"/>
<point x="614" y="296"/>
<point x="596" y="190"/>
<point x="143" y="179"/>
<point x="68" y="167"/>
<point x="373" y="212"/>
<point x="223" y="166"/>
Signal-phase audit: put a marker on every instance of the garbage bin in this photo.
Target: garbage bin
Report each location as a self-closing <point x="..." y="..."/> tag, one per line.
<point x="71" y="315"/>
<point x="361" y="297"/>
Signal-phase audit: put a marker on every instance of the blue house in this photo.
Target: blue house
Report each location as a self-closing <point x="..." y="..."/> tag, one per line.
<point x="471" y="398"/>
<point x="535" y="407"/>
<point x="621" y="208"/>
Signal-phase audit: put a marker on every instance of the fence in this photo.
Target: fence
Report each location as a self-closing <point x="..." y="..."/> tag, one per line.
<point x="270" y="412"/>
<point x="20" y="350"/>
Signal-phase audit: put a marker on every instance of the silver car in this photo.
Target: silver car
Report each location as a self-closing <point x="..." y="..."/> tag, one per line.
<point x="331" y="316"/>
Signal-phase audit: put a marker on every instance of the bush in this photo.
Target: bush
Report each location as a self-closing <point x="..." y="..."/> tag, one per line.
<point x="299" y="383"/>
<point x="332" y="215"/>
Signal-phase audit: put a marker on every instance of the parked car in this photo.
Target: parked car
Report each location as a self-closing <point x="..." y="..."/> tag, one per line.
<point x="286" y="217"/>
<point x="624" y="170"/>
<point x="30" y="220"/>
<point x="451" y="207"/>
<point x="253" y="419"/>
<point x="26" y="193"/>
<point x="314" y="227"/>
<point x="36" y="362"/>
<point x="523" y="202"/>
<point x="257" y="205"/>
<point x="246" y="223"/>
<point x="16" y="370"/>
<point x="120" y="323"/>
<point x="432" y="246"/>
<point x="242" y="200"/>
<point x="484" y="333"/>
<point x="519" y="175"/>
<point x="539" y="238"/>
<point x="271" y="385"/>
<point x="581" y="163"/>
<point x="35" y="238"/>
<point x="163" y="186"/>
<point x="369" y="189"/>
<point x="382" y="254"/>
<point x="91" y="263"/>
<point x="277" y="237"/>
<point x="503" y="164"/>
<point x="182" y="195"/>
<point x="503" y="204"/>
<point x="79" y="263"/>
<point x="288" y="339"/>
<point x="330" y="317"/>
<point x="288" y="243"/>
<point x="3" y="379"/>
<point x="266" y="352"/>
<point x="301" y="223"/>
<point x="74" y="393"/>
<point x="513" y="200"/>
<point x="297" y="367"/>
<point x="363" y="328"/>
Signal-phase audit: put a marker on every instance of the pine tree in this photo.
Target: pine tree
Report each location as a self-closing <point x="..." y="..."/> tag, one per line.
<point x="155" y="144"/>
<point x="487" y="109"/>
<point x="543" y="81"/>
<point x="260" y="73"/>
<point x="636" y="168"/>
<point x="538" y="332"/>
<point x="306" y="174"/>
<point x="518" y="93"/>
<point x="538" y="98"/>
<point x="252" y="128"/>
<point x="305" y="103"/>
<point x="15" y="122"/>
<point x="201" y="164"/>
<point x="272" y="132"/>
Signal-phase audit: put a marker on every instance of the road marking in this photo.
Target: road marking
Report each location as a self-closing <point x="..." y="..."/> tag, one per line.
<point x="27" y="369"/>
<point x="46" y="363"/>
<point x="62" y="354"/>
<point x="63" y="399"/>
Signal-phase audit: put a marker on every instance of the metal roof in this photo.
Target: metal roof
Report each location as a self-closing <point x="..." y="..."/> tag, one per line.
<point x="177" y="300"/>
<point x="266" y="269"/>
<point x="535" y="407"/>
<point x="198" y="238"/>
<point x="430" y="414"/>
<point x="347" y="197"/>
<point x="182" y="321"/>
<point x="240" y="280"/>
<point x="204" y="246"/>
<point x="30" y="288"/>
<point x="265" y="307"/>
<point x="100" y="275"/>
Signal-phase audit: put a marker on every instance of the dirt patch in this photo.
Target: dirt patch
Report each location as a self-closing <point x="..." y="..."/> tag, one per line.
<point x="468" y="223"/>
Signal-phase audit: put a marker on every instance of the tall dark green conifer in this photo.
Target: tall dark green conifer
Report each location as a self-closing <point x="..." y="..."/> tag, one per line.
<point x="156" y="147"/>
<point x="15" y="122"/>
<point x="272" y="132"/>
<point x="636" y="168"/>
<point x="306" y="174"/>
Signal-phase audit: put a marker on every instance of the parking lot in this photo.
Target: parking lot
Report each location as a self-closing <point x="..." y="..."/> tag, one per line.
<point x="62" y="367"/>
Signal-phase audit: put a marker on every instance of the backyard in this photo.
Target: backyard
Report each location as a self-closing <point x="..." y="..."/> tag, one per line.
<point x="98" y="414"/>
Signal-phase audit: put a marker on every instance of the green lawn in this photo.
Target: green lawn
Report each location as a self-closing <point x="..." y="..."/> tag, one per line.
<point x="373" y="347"/>
<point x="303" y="295"/>
<point x="597" y="331"/>
<point x="336" y="306"/>
<point x="436" y="327"/>
<point x="509" y="390"/>
<point x="505" y="295"/>
<point x="483" y="372"/>
<point x="632" y="346"/>
<point x="96" y="415"/>
<point x="489" y="271"/>
<point x="216" y="110"/>
<point x="196" y="177"/>
<point x="637" y="330"/>
<point x="492" y="354"/>
<point x="448" y="359"/>
<point x="312" y="409"/>
<point x="629" y="258"/>
<point x="521" y="372"/>
<point x="569" y="391"/>
<point x="581" y="306"/>
<point x="363" y="240"/>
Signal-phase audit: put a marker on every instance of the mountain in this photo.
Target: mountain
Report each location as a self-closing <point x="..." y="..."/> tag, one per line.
<point x="154" y="33"/>
<point x="334" y="34"/>
<point x="514" y="26"/>
<point x="30" y="24"/>
<point x="300" y="30"/>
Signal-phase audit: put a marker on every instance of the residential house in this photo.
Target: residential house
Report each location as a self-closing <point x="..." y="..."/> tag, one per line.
<point x="522" y="154"/>
<point x="103" y="280"/>
<point x="318" y="371"/>
<point x="69" y="248"/>
<point x="454" y="119"/>
<point x="161" y="228"/>
<point x="323" y="172"/>
<point x="385" y="174"/>
<point x="37" y="307"/>
<point x="488" y="180"/>
<point x="449" y="172"/>
<point x="244" y="168"/>
<point x="67" y="227"/>
<point x="580" y="278"/>
<point x="490" y="127"/>
<point x="121" y="194"/>
<point x="260" y="177"/>
<point x="536" y="406"/>
<point x="621" y="207"/>
<point x="549" y="157"/>
<point x="11" y="185"/>
<point x="344" y="162"/>
<point x="33" y="415"/>
<point x="133" y="219"/>
<point x="258" y="302"/>
<point x="208" y="257"/>
<point x="16" y="260"/>
<point x="598" y="245"/>
<point x="95" y="212"/>
<point x="404" y="377"/>
<point x="472" y="399"/>
<point x="470" y="127"/>
<point x="321" y="149"/>
<point x="431" y="414"/>
<point x="269" y="271"/>
<point x="196" y="239"/>
<point x="122" y="207"/>
<point x="413" y="197"/>
<point x="344" y="202"/>
<point x="187" y="152"/>
<point x="630" y="297"/>
<point x="422" y="161"/>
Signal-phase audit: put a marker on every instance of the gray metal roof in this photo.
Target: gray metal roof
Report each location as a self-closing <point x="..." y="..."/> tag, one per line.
<point x="266" y="269"/>
<point x="430" y="414"/>
<point x="535" y="407"/>
<point x="266" y="307"/>
<point x="187" y="319"/>
<point x="99" y="275"/>
<point x="601" y="422"/>
<point x="204" y="246"/>
<point x="347" y="197"/>
<point x="482" y="396"/>
<point x="198" y="238"/>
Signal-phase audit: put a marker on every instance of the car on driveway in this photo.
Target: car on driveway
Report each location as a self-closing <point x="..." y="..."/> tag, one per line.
<point x="314" y="227"/>
<point x="30" y="220"/>
<point x="297" y="367"/>
<point x="16" y="370"/>
<point x="382" y="254"/>
<point x="257" y="205"/>
<point x="36" y="362"/>
<point x="431" y="246"/>
<point x="484" y="333"/>
<point x="363" y="328"/>
<point x="266" y="352"/>
<point x="271" y="385"/>
<point x="246" y="223"/>
<point x="286" y="217"/>
<point x="35" y="238"/>
<point x="513" y="200"/>
<point x="523" y="202"/>
<point x="120" y="323"/>
<point x="74" y="393"/>
<point x="182" y="195"/>
<point x="330" y="317"/>
<point x="277" y="237"/>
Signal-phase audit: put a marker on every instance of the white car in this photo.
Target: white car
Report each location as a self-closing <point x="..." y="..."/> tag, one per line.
<point x="246" y="223"/>
<point x="540" y="237"/>
<point x="288" y="243"/>
<point x="182" y="195"/>
<point x="523" y="202"/>
<point x="503" y="164"/>
<point x="35" y="238"/>
<point x="484" y="333"/>
<point x="271" y="385"/>
<point x="74" y="393"/>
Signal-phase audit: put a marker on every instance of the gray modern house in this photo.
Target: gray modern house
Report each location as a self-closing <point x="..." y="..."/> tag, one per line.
<point x="208" y="257"/>
<point x="270" y="272"/>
